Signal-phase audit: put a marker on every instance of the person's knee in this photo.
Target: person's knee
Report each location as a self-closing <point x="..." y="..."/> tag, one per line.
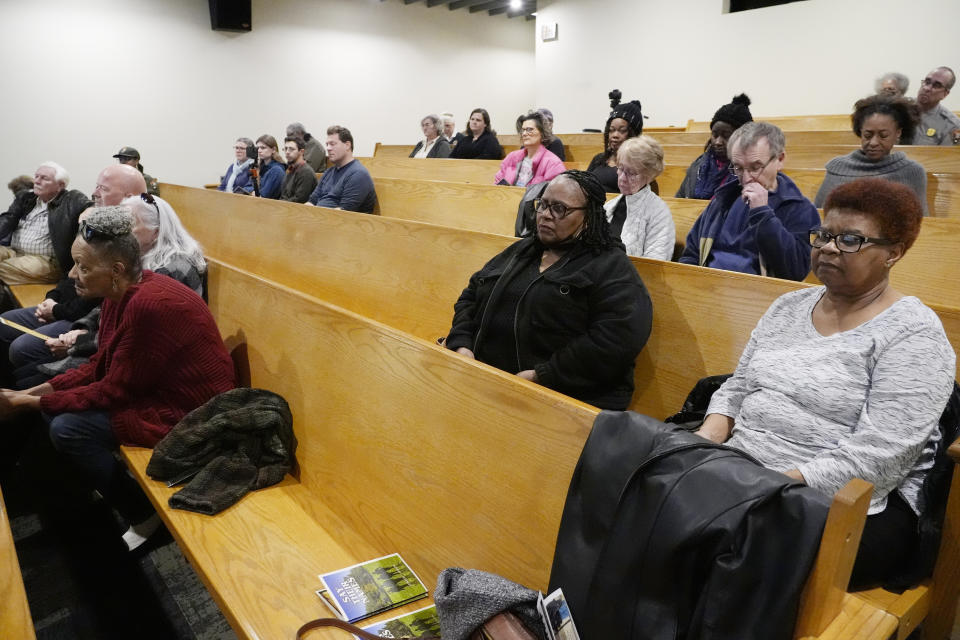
<point x="63" y="435"/>
<point x="25" y="350"/>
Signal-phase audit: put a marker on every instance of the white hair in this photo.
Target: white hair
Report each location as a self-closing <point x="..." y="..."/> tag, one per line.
<point x="172" y="238"/>
<point x="446" y="116"/>
<point x="59" y="173"/>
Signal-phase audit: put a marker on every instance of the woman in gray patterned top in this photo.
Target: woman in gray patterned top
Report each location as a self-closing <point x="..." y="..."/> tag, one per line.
<point x="848" y="380"/>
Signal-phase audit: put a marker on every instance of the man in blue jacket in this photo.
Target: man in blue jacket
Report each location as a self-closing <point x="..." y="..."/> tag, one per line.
<point x="346" y="184"/>
<point x="759" y="223"/>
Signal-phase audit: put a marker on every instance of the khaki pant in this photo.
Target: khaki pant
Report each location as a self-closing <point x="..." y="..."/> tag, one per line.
<point x="22" y="268"/>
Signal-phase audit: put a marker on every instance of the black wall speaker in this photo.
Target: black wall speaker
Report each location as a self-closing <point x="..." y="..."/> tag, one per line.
<point x="230" y="15"/>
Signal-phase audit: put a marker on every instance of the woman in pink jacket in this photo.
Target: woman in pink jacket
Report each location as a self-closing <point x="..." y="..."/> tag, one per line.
<point x="533" y="163"/>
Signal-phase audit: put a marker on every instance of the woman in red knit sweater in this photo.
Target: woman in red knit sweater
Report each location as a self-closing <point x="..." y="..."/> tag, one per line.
<point x="160" y="356"/>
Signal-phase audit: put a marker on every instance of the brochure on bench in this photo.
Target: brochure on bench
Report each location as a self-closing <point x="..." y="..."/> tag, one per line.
<point x="418" y="624"/>
<point x="556" y="617"/>
<point x="368" y="588"/>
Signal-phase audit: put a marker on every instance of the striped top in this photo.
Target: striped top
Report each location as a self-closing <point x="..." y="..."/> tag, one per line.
<point x="862" y="403"/>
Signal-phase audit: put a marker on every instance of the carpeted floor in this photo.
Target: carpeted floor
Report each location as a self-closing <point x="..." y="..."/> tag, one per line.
<point x="81" y="582"/>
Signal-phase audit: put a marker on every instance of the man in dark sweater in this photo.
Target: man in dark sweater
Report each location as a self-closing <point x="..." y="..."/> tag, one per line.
<point x="346" y="184"/>
<point x="300" y="180"/>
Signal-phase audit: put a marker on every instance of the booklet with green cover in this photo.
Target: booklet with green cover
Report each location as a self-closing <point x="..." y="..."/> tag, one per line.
<point x="417" y="624"/>
<point x="368" y="588"/>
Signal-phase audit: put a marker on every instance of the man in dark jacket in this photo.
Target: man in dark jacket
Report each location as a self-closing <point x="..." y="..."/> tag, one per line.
<point x="41" y="224"/>
<point x="760" y="223"/>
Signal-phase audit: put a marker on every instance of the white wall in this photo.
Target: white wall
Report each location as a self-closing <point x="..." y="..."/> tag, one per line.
<point x="85" y="78"/>
<point x="685" y="58"/>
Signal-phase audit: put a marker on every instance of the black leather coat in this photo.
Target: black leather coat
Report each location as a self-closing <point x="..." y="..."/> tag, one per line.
<point x="666" y="535"/>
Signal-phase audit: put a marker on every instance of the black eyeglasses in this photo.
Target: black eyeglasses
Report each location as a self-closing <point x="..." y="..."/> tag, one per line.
<point x="88" y="231"/>
<point x="557" y="209"/>
<point x="845" y="242"/>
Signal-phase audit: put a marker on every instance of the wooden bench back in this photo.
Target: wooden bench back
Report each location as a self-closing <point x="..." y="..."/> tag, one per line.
<point x="408" y="275"/>
<point x="838" y="122"/>
<point x="415" y="450"/>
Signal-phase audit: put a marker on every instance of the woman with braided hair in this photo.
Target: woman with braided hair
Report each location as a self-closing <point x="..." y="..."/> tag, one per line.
<point x="563" y="307"/>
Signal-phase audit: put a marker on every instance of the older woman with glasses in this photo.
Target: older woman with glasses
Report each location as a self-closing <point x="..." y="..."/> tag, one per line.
<point x="848" y="380"/>
<point x="533" y="163"/>
<point x="639" y="217"/>
<point x="564" y="307"/>
<point x="433" y="145"/>
<point x="160" y="357"/>
<point x="237" y="178"/>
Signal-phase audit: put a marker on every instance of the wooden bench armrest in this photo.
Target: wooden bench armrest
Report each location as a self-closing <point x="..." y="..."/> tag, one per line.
<point x="954" y="451"/>
<point x="823" y="597"/>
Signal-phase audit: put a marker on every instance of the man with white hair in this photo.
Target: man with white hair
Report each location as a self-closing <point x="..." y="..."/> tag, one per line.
<point x="41" y="225"/>
<point x="313" y="151"/>
<point x="450" y="133"/>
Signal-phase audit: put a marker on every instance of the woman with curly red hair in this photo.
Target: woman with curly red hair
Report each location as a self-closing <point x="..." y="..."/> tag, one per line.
<point x="848" y="380"/>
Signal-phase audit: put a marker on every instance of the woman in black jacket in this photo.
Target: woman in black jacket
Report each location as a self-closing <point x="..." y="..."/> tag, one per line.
<point x="565" y="307"/>
<point x="479" y="141"/>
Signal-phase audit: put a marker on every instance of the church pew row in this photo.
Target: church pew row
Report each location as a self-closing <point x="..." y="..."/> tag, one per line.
<point x="933" y="159"/>
<point x="408" y="275"/>
<point x="15" y="620"/>
<point x="928" y="271"/>
<point x="943" y="189"/>
<point x="692" y="335"/>
<point x="679" y="136"/>
<point x="405" y="447"/>
<point x="832" y="122"/>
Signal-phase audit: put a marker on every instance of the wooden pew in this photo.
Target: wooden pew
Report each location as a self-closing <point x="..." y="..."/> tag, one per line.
<point x="928" y="271"/>
<point x="408" y="275"/>
<point x="933" y="159"/>
<point x="30" y="295"/>
<point x="400" y="443"/>
<point x="447" y="492"/>
<point x="839" y="122"/>
<point x="15" y="620"/>
<point x="692" y="336"/>
<point x="943" y="189"/>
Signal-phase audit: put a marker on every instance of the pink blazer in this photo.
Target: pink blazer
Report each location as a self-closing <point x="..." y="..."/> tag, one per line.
<point x="546" y="166"/>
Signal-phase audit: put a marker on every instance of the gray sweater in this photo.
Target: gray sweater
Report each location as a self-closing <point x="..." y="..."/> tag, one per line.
<point x="863" y="403"/>
<point x="896" y="167"/>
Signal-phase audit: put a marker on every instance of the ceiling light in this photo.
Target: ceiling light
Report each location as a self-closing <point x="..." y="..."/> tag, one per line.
<point x="516" y="4"/>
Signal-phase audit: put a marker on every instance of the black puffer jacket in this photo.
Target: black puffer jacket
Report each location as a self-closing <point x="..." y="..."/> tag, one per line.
<point x="61" y="219"/>
<point x="580" y="325"/>
<point x="667" y="536"/>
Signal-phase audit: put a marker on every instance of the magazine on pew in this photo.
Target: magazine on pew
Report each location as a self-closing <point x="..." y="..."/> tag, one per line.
<point x="371" y="587"/>
<point x="556" y="617"/>
<point x="417" y="624"/>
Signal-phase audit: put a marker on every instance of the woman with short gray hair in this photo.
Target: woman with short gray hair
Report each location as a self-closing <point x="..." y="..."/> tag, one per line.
<point x="433" y="145"/>
<point x="640" y="218"/>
